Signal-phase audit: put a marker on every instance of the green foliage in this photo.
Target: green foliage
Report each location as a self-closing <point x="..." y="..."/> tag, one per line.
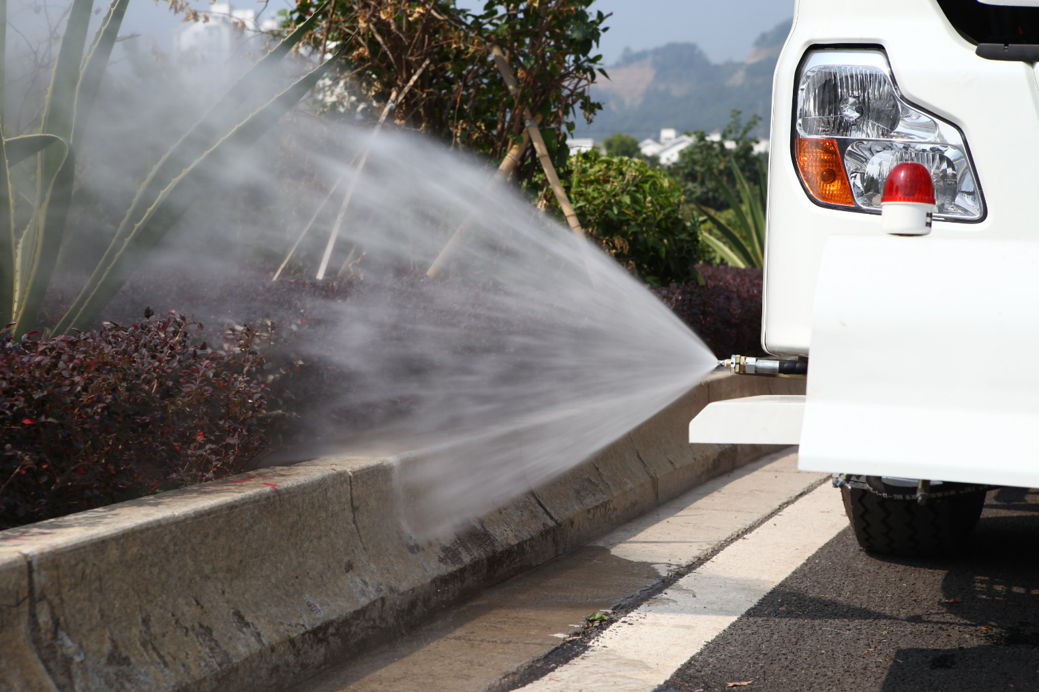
<point x="443" y="52"/>
<point x="620" y="144"/>
<point x="636" y="213"/>
<point x="738" y="237"/>
<point x="33" y="226"/>
<point x="705" y="168"/>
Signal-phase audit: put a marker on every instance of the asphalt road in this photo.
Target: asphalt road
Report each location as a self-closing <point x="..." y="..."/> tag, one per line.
<point x="846" y="620"/>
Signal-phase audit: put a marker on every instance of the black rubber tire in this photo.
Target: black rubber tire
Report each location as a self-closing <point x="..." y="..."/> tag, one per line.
<point x="905" y="527"/>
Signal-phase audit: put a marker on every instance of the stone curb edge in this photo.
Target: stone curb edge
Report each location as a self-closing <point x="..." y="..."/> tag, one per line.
<point x="256" y="581"/>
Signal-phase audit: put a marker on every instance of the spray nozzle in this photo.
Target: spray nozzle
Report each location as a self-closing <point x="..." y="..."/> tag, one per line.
<point x="743" y="365"/>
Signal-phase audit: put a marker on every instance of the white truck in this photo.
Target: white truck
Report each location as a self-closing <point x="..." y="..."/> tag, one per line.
<point x="914" y="334"/>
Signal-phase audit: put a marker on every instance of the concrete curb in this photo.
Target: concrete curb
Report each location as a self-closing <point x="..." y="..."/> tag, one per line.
<point x="253" y="582"/>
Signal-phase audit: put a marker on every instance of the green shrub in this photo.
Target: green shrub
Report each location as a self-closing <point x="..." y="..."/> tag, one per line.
<point x="620" y="144"/>
<point x="736" y="236"/>
<point x="635" y="212"/>
<point x="441" y="49"/>
<point x="705" y="168"/>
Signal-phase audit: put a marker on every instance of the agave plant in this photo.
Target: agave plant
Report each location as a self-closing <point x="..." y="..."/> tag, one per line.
<point x="29" y="251"/>
<point x="742" y="242"/>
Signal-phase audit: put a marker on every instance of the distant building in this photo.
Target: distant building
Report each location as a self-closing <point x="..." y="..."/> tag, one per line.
<point x="668" y="148"/>
<point x="650" y="147"/>
<point x="672" y="144"/>
<point x="219" y="36"/>
<point x="576" y="146"/>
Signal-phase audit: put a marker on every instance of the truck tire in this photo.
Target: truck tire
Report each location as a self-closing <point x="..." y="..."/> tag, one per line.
<point x="905" y="527"/>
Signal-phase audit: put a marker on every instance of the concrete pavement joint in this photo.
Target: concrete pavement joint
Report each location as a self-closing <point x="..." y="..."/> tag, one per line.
<point x="638" y="455"/>
<point x="602" y="476"/>
<point x="544" y="508"/>
<point x="33" y="624"/>
<point x="353" y="514"/>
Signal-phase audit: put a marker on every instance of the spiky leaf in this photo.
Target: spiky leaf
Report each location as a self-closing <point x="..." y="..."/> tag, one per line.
<point x="42" y="241"/>
<point x="96" y="62"/>
<point x="744" y="240"/>
<point x="118" y="263"/>
<point x="7" y="239"/>
<point x="20" y="148"/>
<point x="3" y="55"/>
<point x="60" y="108"/>
<point x="213" y="126"/>
<point x="724" y="251"/>
<point x="736" y="246"/>
<point x="755" y="211"/>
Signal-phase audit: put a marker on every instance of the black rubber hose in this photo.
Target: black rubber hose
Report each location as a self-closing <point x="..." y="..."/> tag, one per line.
<point x="793" y="367"/>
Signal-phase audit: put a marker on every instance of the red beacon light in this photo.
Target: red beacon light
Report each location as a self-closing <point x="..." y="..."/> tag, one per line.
<point x="908" y="200"/>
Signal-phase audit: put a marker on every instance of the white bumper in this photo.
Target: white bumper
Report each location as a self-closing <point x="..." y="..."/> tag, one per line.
<point x="772" y="420"/>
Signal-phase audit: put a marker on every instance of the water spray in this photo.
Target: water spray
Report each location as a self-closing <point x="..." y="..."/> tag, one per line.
<point x="522" y="361"/>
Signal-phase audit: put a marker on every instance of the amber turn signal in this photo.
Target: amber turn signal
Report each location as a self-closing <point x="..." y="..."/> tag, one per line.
<point x="819" y="162"/>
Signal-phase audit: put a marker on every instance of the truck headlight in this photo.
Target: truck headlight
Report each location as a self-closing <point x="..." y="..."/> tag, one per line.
<point x="853" y="126"/>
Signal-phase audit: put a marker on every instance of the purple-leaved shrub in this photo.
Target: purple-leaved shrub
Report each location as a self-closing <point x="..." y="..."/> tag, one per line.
<point x="725" y="311"/>
<point x="101" y="416"/>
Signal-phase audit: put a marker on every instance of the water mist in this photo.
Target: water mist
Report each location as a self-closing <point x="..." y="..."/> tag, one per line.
<point x="533" y="350"/>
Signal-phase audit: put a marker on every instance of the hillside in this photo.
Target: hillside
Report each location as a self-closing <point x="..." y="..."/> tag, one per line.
<point x="678" y="86"/>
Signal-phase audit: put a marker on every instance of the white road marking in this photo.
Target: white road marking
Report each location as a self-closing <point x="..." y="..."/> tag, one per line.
<point x="644" y="648"/>
<point x="682" y="531"/>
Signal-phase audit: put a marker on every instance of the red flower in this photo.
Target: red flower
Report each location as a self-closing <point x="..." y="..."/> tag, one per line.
<point x="28" y="421"/>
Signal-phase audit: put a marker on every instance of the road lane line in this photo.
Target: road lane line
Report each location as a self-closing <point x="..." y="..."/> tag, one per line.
<point x="690" y="528"/>
<point x="643" y="649"/>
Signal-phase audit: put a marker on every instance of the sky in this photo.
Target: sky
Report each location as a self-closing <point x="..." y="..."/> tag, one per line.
<point x="724" y="29"/>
